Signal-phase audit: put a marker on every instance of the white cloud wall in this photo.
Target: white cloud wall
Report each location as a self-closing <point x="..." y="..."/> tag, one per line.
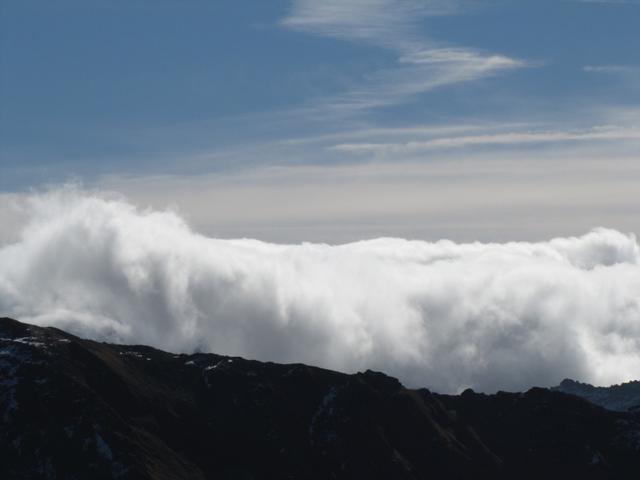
<point x="442" y="315"/>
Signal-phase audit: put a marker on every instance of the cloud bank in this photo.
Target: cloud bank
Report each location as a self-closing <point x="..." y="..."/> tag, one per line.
<point x="436" y="314"/>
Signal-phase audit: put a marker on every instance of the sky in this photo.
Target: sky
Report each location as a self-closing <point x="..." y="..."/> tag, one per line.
<point x="444" y="190"/>
<point x="331" y="121"/>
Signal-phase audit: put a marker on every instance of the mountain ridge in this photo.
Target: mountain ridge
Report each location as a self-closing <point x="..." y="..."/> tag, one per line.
<point x="621" y="397"/>
<point x="75" y="408"/>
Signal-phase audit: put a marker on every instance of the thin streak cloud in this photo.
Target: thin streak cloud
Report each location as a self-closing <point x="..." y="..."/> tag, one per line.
<point x="507" y="138"/>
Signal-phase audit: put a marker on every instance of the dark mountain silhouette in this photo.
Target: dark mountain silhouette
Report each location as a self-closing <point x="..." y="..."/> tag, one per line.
<point x="622" y="398"/>
<point x="77" y="409"/>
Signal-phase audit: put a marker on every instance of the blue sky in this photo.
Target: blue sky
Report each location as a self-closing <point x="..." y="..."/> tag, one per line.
<point x="332" y="120"/>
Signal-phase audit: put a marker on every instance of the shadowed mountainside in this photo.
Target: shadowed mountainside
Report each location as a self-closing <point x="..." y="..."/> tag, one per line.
<point x="73" y="408"/>
<point x="621" y="398"/>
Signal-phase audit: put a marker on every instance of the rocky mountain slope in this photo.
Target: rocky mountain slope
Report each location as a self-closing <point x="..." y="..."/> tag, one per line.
<point x="77" y="409"/>
<point x="621" y="398"/>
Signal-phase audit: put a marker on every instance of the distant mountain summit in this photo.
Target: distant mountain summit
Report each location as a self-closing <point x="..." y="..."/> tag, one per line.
<point x="77" y="409"/>
<point x="620" y="398"/>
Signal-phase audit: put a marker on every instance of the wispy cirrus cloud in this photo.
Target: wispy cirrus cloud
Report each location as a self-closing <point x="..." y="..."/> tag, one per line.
<point x="422" y="64"/>
<point x="494" y="139"/>
<point x="615" y="69"/>
<point x="388" y="23"/>
<point x="422" y="71"/>
<point x="628" y="74"/>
